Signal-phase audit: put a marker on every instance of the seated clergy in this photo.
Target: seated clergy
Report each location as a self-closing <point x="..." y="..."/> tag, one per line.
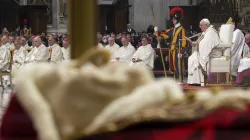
<point x="11" y="42"/>
<point x="24" y="42"/>
<point x="99" y="40"/>
<point x="112" y="46"/>
<point x="56" y="51"/>
<point x="198" y="60"/>
<point x="243" y="77"/>
<point x="39" y="53"/>
<point x="5" y="41"/>
<point x="4" y="55"/>
<point x="144" y="55"/>
<point x="124" y="53"/>
<point x="20" y="54"/>
<point x="66" y="50"/>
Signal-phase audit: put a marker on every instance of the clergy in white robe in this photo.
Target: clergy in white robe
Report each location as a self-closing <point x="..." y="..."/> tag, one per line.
<point x="144" y="55"/>
<point x="99" y="39"/>
<point x="99" y="45"/>
<point x="24" y="43"/>
<point x="112" y="47"/>
<point x="19" y="56"/>
<point x="5" y="42"/>
<point x="197" y="62"/>
<point x="4" y="55"/>
<point x="124" y="53"/>
<point x="11" y="42"/>
<point x="66" y="50"/>
<point x="237" y="50"/>
<point x="56" y="51"/>
<point x="39" y="53"/>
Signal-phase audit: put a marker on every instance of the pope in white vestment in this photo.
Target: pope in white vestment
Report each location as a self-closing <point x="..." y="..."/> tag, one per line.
<point x="39" y="53"/>
<point x="197" y="62"/>
<point x="112" y="47"/>
<point x="144" y="55"/>
<point x="124" y="53"/>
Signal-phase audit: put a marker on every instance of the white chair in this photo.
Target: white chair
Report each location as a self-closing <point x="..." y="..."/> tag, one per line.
<point x="221" y="63"/>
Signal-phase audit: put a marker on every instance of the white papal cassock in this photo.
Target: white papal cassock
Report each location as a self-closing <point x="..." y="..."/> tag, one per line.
<point x="208" y="40"/>
<point x="38" y="54"/>
<point x="146" y="54"/>
<point x="19" y="58"/>
<point x="4" y="58"/>
<point x="113" y="49"/>
<point x="125" y="54"/>
<point x="56" y="53"/>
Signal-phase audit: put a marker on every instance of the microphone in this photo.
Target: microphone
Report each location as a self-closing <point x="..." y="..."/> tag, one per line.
<point x="195" y="35"/>
<point x="189" y="38"/>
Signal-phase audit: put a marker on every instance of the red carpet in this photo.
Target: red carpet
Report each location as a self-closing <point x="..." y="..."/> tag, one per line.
<point x="187" y="87"/>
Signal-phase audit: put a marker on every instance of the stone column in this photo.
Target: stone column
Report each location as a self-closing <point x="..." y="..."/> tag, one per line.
<point x="131" y="12"/>
<point x="55" y="13"/>
<point x="23" y="2"/>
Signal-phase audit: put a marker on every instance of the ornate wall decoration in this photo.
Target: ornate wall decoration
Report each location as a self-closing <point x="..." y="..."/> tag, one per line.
<point x="245" y="15"/>
<point x="63" y="11"/>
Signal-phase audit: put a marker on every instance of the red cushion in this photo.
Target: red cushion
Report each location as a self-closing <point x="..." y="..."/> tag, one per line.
<point x="224" y="124"/>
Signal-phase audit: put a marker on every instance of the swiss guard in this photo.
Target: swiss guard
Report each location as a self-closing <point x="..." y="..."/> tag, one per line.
<point x="177" y="35"/>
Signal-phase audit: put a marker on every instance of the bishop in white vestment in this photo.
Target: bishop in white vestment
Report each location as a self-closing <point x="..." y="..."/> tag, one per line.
<point x="4" y="57"/>
<point x="20" y="54"/>
<point x="124" y="53"/>
<point x="56" y="51"/>
<point x="197" y="62"/>
<point x="144" y="55"/>
<point x="4" y="54"/>
<point x="112" y="47"/>
<point x="66" y="50"/>
<point x="39" y="53"/>
<point x="5" y="42"/>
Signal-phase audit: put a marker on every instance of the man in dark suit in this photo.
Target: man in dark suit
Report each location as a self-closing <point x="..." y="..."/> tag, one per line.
<point x="130" y="30"/>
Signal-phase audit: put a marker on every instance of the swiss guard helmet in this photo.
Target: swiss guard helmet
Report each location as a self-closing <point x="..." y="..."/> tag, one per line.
<point x="177" y="13"/>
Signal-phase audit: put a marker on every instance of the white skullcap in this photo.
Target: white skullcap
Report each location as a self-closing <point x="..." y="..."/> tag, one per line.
<point x="206" y="21"/>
